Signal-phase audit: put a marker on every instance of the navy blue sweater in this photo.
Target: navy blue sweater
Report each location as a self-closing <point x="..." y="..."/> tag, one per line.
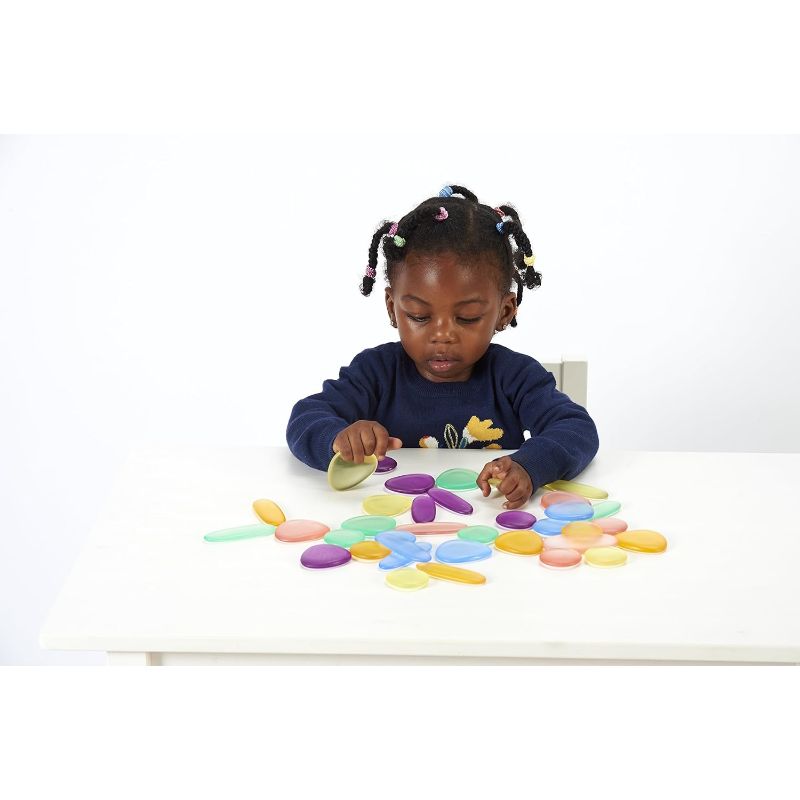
<point x="507" y="393"/>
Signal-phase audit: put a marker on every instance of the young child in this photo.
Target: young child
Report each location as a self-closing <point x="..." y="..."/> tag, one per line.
<point x="450" y="265"/>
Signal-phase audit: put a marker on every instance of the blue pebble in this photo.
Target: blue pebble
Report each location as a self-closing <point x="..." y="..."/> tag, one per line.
<point x="569" y="512"/>
<point x="549" y="527"/>
<point x="458" y="551"/>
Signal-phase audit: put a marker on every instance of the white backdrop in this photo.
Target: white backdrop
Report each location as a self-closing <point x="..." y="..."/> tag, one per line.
<point x="192" y="289"/>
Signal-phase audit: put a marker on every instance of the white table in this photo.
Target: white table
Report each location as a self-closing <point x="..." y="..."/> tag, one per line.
<point x="148" y="589"/>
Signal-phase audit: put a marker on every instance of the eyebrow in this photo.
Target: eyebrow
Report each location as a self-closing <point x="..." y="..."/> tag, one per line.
<point x="459" y="303"/>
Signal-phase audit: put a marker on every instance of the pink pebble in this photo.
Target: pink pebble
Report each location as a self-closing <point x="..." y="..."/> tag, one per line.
<point x="560" y="558"/>
<point x="561" y="542"/>
<point x="611" y="524"/>
<point x="548" y="498"/>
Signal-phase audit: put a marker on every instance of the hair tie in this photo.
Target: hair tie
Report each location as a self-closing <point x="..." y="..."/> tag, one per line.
<point x="529" y="260"/>
<point x="399" y="241"/>
<point x="392" y="230"/>
<point x="370" y="271"/>
<point x="442" y="215"/>
<point x="499" y="227"/>
<point x="446" y="191"/>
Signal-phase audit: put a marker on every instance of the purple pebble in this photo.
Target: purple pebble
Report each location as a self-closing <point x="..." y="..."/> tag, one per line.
<point x="423" y="509"/>
<point x="450" y="501"/>
<point x="517" y="520"/>
<point x="322" y="556"/>
<point x="415" y="483"/>
<point x="386" y="464"/>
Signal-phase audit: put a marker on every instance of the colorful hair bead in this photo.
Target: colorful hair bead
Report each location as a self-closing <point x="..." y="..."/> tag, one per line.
<point x="399" y="241"/>
<point x="529" y="260"/>
<point x="370" y="272"/>
<point x="392" y="230"/>
<point x="442" y="215"/>
<point x="446" y="191"/>
<point x="499" y="227"/>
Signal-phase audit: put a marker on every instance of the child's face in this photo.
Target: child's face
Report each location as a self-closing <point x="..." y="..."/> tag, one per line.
<point x="446" y="313"/>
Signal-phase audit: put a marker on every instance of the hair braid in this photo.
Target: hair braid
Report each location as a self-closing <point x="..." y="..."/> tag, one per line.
<point x="368" y="281"/>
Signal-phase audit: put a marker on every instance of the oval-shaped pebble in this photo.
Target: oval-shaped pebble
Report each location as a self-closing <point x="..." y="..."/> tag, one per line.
<point x="548" y="498"/>
<point x="605" y="508"/>
<point x="269" y="512"/>
<point x="342" y="537"/>
<point x="414" y="483"/>
<point x="494" y="482"/>
<point x="395" y="560"/>
<point x="642" y="541"/>
<point x="611" y="524"/>
<point x="521" y="543"/>
<point x="387" y="505"/>
<point x="566" y="543"/>
<point x="423" y="509"/>
<point x="478" y="533"/>
<point x="346" y="474"/>
<point x="583" y="489"/>
<point x="397" y="542"/>
<point x="569" y="511"/>
<point x="605" y="557"/>
<point x="242" y="532"/>
<point x="515" y="520"/>
<point x="424" y="528"/>
<point x="324" y="556"/>
<point x="386" y="464"/>
<point x="458" y="480"/>
<point x="370" y="524"/>
<point x="445" y="572"/>
<point x="407" y="579"/>
<point x="452" y="502"/>
<point x="369" y="550"/>
<point x="300" y="530"/>
<point x="549" y="527"/>
<point x="560" y="558"/>
<point x="583" y="531"/>
<point x="458" y="551"/>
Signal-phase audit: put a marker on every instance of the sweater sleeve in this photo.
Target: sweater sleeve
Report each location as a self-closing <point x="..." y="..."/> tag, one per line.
<point x="564" y="437"/>
<point x="316" y="420"/>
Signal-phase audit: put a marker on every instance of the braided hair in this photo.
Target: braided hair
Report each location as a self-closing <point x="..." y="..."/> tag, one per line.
<point x="461" y="225"/>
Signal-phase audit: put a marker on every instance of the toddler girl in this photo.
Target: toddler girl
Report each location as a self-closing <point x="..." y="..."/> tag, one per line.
<point x="450" y="265"/>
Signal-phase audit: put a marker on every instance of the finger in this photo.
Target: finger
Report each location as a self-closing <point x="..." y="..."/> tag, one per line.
<point x="394" y="443"/>
<point x="368" y="441"/>
<point x="512" y="504"/>
<point x="483" y="479"/>
<point x="508" y="485"/>
<point x="357" y="448"/>
<point x="381" y="440"/>
<point x="342" y="447"/>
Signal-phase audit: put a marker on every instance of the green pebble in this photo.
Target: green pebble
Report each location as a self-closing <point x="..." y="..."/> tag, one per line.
<point x="458" y="480"/>
<point x="606" y="509"/>
<point x="245" y="532"/>
<point x="370" y="525"/>
<point x="478" y="533"/>
<point x="344" y="538"/>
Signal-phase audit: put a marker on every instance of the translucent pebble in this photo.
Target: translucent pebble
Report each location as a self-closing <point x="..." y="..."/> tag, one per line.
<point x="343" y="537"/>
<point x="494" y="482"/>
<point x="445" y="572"/>
<point x="346" y="474"/>
<point x="423" y="509"/>
<point x="643" y="541"/>
<point x="569" y="511"/>
<point x="606" y="508"/>
<point x="478" y="533"/>
<point x="584" y="490"/>
<point x="565" y="543"/>
<point x="395" y="560"/>
<point x="522" y="543"/>
<point x="324" y="556"/>
<point x="605" y="557"/>
<point x="386" y="464"/>
<point x="269" y="512"/>
<point x="521" y="520"/>
<point x="548" y="498"/>
<point x="407" y="580"/>
<point x="369" y="550"/>
<point x="300" y="530"/>
<point x="414" y="483"/>
<point x="424" y="528"/>
<point x="583" y="531"/>
<point x="452" y="502"/>
<point x="560" y="558"/>
<point x="549" y="527"/>
<point x="390" y="505"/>
<point x="611" y="524"/>
<point x="458" y="480"/>
<point x="242" y="532"/>
<point x="398" y="543"/>
<point x="370" y="524"/>
<point x="459" y="551"/>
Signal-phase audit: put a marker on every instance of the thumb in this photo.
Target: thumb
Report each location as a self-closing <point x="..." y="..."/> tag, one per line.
<point x="394" y="443"/>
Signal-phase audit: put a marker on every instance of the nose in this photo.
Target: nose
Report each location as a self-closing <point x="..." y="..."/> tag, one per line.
<point x="442" y="329"/>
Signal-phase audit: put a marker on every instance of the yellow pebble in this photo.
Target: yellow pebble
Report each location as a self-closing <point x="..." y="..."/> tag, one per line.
<point x="407" y="579"/>
<point x="605" y="557"/>
<point x="447" y="573"/>
<point x="582" y="531"/>
<point x="269" y="512"/>
<point x="584" y="490"/>
<point x="386" y="505"/>
<point x="642" y="541"/>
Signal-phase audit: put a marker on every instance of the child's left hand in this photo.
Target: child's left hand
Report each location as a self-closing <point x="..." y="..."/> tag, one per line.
<point x="515" y="483"/>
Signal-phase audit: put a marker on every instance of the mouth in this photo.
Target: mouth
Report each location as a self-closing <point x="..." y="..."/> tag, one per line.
<point x="442" y="363"/>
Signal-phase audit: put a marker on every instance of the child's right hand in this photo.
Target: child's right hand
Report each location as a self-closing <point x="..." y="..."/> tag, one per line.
<point x="363" y="438"/>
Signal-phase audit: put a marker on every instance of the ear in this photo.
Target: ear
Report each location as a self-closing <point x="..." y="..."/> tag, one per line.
<point x="508" y="310"/>
<point x="390" y="305"/>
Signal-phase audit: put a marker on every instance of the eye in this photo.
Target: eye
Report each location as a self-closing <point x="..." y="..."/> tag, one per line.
<point x="417" y="319"/>
<point x="470" y="321"/>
